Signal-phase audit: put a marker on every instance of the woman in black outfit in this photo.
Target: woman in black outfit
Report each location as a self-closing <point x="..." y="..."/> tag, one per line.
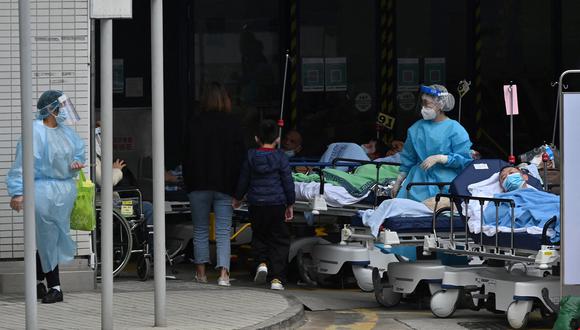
<point x="214" y="152"/>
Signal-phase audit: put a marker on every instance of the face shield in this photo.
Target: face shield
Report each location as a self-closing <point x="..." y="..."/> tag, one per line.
<point x="67" y="109"/>
<point x="436" y="97"/>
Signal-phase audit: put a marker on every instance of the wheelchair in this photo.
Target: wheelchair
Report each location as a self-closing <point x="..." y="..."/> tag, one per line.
<point x="131" y="234"/>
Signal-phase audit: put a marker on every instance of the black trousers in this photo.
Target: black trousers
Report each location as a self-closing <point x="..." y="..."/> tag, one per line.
<point x="270" y="239"/>
<point x="52" y="278"/>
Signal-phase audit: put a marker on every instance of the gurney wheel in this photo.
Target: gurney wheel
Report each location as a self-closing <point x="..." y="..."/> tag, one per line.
<point x="144" y="268"/>
<point x="383" y="291"/>
<point x="518" y="313"/>
<point x="304" y="263"/>
<point x="444" y="302"/>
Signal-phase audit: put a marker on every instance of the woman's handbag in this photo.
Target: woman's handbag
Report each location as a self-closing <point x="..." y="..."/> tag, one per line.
<point x="83" y="214"/>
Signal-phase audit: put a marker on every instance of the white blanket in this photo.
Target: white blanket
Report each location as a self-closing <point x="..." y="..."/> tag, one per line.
<point x="335" y="196"/>
<point x="397" y="207"/>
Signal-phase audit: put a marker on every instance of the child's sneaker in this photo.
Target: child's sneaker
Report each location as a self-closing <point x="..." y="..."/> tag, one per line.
<point x="276" y="285"/>
<point x="261" y="274"/>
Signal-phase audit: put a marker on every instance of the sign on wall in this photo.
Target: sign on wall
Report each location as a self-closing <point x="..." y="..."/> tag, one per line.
<point x="111" y="9"/>
<point x="407" y="74"/>
<point x="312" y="74"/>
<point x="335" y="74"/>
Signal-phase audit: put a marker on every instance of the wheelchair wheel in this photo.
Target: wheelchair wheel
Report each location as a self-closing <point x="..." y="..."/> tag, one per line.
<point x="144" y="268"/>
<point x="122" y="242"/>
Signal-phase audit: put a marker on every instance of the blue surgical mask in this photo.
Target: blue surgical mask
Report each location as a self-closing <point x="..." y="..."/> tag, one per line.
<point x="513" y="182"/>
<point x="61" y="117"/>
<point x="290" y="153"/>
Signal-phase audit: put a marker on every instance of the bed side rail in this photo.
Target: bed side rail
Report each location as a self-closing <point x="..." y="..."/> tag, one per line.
<point x="545" y="256"/>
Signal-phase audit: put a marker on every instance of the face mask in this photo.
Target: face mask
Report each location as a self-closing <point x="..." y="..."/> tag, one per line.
<point x="513" y="181"/>
<point x="428" y="113"/>
<point x="290" y="153"/>
<point x="61" y="117"/>
<point x="98" y="131"/>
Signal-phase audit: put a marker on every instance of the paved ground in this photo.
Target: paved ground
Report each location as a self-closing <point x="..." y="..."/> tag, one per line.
<point x="189" y="306"/>
<point x="408" y="318"/>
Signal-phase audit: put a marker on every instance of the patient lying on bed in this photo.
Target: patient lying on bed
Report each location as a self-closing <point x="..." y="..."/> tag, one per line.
<point x="533" y="207"/>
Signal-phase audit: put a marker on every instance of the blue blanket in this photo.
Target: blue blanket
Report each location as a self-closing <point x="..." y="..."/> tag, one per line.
<point x="533" y="209"/>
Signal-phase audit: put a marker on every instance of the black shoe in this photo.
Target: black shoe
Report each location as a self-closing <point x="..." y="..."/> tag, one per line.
<point x="40" y="291"/>
<point x="52" y="296"/>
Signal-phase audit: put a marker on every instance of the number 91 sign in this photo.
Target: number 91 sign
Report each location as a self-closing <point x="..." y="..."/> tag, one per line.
<point x="386" y="120"/>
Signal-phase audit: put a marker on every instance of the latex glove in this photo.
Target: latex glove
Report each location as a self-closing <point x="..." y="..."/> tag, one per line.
<point x="432" y="160"/>
<point x="16" y="203"/>
<point x="76" y="165"/>
<point x="397" y="186"/>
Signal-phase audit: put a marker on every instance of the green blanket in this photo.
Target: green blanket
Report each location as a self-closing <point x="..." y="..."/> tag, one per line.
<point x="357" y="184"/>
<point x="386" y="172"/>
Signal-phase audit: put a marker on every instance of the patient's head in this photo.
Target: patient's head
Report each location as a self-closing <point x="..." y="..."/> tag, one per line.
<point x="292" y="143"/>
<point x="375" y="148"/>
<point x="512" y="178"/>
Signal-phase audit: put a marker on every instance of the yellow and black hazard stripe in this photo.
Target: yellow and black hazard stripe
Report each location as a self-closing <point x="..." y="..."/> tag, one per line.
<point x="387" y="62"/>
<point x="293" y="69"/>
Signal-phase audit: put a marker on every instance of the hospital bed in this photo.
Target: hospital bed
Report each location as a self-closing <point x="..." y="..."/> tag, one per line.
<point x="318" y="258"/>
<point x="522" y="279"/>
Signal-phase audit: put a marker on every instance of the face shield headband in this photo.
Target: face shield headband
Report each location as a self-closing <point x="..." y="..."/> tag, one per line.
<point x="65" y="108"/>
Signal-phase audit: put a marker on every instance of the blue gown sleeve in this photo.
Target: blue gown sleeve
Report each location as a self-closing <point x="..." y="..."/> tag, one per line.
<point x="409" y="157"/>
<point x="459" y="155"/>
<point x="14" y="176"/>
<point x="79" y="145"/>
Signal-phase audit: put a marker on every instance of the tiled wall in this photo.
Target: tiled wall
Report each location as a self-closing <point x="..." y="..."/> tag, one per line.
<point x="60" y="60"/>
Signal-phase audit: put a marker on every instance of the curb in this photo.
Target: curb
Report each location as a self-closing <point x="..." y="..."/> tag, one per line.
<point x="291" y="318"/>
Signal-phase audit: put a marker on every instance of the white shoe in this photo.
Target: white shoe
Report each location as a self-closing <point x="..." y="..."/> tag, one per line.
<point x="261" y="274"/>
<point x="276" y="285"/>
<point x="224" y="281"/>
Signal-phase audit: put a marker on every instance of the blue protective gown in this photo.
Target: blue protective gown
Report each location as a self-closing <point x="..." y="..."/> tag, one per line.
<point x="426" y="138"/>
<point x="55" y="149"/>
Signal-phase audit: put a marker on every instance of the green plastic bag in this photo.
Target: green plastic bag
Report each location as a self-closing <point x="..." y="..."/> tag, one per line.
<point x="569" y="310"/>
<point x="83" y="214"/>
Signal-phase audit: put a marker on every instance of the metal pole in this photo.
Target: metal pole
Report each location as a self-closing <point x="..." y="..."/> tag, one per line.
<point x="107" y="173"/>
<point x="280" y="123"/>
<point x="158" y="160"/>
<point x="27" y="164"/>
<point x="511" y="89"/>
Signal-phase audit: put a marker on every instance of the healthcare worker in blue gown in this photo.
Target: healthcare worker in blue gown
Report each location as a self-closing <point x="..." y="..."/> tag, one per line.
<point x="59" y="153"/>
<point x="437" y="147"/>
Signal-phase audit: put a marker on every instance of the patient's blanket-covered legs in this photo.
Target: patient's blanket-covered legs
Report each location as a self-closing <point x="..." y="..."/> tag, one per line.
<point x="390" y="208"/>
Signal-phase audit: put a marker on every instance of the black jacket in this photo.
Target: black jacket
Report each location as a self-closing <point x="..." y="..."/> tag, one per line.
<point x="214" y="150"/>
<point x="266" y="178"/>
